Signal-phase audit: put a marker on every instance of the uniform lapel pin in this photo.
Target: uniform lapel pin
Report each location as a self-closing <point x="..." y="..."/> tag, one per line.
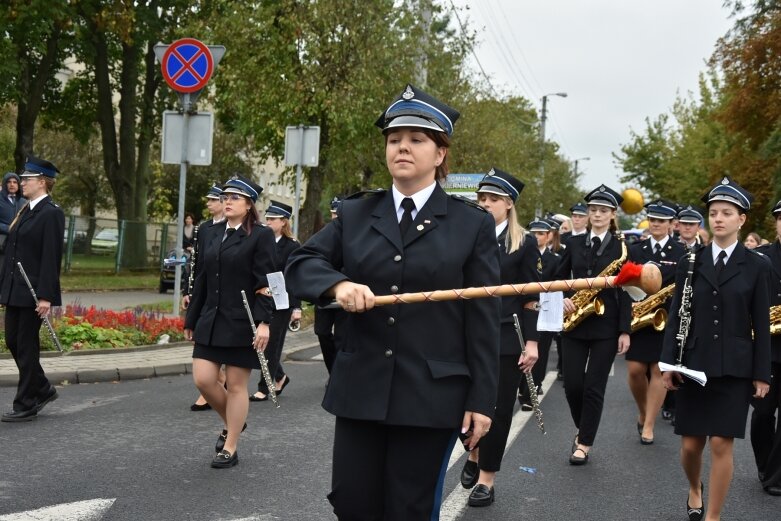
<point x="426" y="222"/>
<point x="420" y="227"/>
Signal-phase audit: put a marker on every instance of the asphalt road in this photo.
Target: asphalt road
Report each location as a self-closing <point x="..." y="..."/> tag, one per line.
<point x="137" y="446"/>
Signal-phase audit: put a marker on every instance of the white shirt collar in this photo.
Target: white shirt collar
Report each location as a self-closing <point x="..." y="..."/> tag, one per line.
<point x="419" y="198"/>
<point x="715" y="250"/>
<point x="37" y="200"/>
<point x="661" y="243"/>
<point x="601" y="236"/>
<point x="500" y="227"/>
<point x="581" y="232"/>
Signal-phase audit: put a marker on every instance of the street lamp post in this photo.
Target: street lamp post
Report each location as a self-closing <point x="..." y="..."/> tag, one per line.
<point x="543" y="119"/>
<point x="576" y="163"/>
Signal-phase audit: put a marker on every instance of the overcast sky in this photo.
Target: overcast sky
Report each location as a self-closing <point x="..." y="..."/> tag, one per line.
<point x="619" y="61"/>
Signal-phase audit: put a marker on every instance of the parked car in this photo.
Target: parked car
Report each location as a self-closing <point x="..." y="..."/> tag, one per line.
<point x="79" y="241"/>
<point x="168" y="271"/>
<point x="105" y="241"/>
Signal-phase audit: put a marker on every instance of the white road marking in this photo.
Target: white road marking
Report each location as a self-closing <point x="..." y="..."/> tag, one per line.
<point x="90" y="510"/>
<point x="455" y="504"/>
<point x="78" y="407"/>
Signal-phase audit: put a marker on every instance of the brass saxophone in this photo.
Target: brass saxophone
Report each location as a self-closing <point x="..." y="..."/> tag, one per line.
<point x="586" y="300"/>
<point x="775" y="319"/>
<point x="650" y="312"/>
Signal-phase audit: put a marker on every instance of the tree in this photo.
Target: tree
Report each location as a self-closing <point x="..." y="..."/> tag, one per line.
<point x="37" y="39"/>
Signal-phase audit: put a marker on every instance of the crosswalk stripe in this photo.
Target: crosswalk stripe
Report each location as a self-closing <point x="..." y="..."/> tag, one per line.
<point x="89" y="510"/>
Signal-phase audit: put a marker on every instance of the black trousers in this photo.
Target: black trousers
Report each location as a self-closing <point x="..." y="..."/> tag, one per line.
<point x="543" y="347"/>
<point x="492" y="444"/>
<point x="766" y="430"/>
<point x="586" y="368"/>
<point x="22" y="326"/>
<point x="276" y="341"/>
<point x="388" y="472"/>
<point x="328" y="348"/>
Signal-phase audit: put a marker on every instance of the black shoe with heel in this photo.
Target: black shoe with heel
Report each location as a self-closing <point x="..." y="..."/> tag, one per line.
<point x="695" y="514"/>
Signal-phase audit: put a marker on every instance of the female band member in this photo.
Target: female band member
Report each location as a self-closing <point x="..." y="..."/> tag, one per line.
<point x="278" y="219"/>
<point x="730" y="298"/>
<point x="643" y="374"/>
<point x="765" y="431"/>
<point x="238" y="256"/>
<point x="407" y="378"/>
<point x="35" y="241"/>
<point x="519" y="262"/>
<point x="591" y="346"/>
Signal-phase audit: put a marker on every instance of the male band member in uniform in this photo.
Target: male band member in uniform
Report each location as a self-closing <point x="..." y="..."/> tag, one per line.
<point x="579" y="217"/>
<point x="690" y="220"/>
<point x="35" y="241"/>
<point x="11" y="201"/>
<point x="766" y="418"/>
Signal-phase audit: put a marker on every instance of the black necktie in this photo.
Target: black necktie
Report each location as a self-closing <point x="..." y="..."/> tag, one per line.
<point x="657" y="248"/>
<point x="406" y="219"/>
<point x="596" y="242"/>
<point x="720" y="262"/>
<point x="228" y="233"/>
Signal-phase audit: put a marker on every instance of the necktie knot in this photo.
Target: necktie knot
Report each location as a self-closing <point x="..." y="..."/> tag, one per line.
<point x="408" y="204"/>
<point x="596" y="242"/>
<point x="406" y="218"/>
<point x="228" y="233"/>
<point x="657" y="247"/>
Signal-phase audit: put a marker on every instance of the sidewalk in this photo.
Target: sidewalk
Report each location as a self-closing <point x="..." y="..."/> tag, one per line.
<point x="132" y="364"/>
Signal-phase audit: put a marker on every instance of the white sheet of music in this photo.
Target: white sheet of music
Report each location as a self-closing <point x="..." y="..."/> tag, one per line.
<point x="697" y="376"/>
<point x="551" y="316"/>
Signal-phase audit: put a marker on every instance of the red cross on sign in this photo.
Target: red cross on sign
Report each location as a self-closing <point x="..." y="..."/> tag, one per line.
<point x="187" y="65"/>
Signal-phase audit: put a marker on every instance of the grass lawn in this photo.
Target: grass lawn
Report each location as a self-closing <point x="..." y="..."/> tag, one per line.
<point x="109" y="281"/>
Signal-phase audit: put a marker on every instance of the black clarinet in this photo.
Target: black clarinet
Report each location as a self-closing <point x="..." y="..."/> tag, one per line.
<point x="191" y="277"/>
<point x="684" y="312"/>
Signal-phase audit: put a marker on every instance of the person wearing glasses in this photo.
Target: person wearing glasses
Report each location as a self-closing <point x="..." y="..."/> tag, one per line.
<point x="408" y="378"/>
<point x="237" y="256"/>
<point x="34" y="240"/>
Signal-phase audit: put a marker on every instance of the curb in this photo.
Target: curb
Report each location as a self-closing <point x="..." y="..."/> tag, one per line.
<point x="106" y="351"/>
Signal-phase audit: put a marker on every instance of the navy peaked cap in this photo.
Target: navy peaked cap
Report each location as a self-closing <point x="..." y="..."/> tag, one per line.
<point x="500" y="183"/>
<point x="539" y="225"/>
<point x="730" y="191"/>
<point x="35" y="167"/>
<point x="415" y="108"/>
<point x="691" y="214"/>
<point x="242" y="186"/>
<point x="214" y="192"/>
<point x="277" y="209"/>
<point x="604" y="196"/>
<point x="661" y="209"/>
<point x="578" y="209"/>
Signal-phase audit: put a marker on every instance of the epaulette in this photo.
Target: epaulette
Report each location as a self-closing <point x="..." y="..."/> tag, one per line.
<point x="757" y="252"/>
<point x="366" y="194"/>
<point x="53" y="204"/>
<point x="468" y="202"/>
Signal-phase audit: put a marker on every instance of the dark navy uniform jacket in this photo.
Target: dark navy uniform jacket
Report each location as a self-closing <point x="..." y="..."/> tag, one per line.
<point x="522" y="265"/>
<point x="36" y="242"/>
<point x="642" y="252"/>
<point x="724" y="311"/>
<point x="420" y="364"/>
<point x="773" y="252"/>
<point x="574" y="263"/>
<point x="216" y="313"/>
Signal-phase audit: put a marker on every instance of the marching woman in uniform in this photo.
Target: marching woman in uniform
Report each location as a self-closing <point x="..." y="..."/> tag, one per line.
<point x="238" y="256"/>
<point x="591" y="346"/>
<point x="407" y="378"/>
<point x="766" y="418"/>
<point x="643" y="374"/>
<point x="35" y="241"/>
<point x="519" y="262"/>
<point x="278" y="219"/>
<point x="730" y="298"/>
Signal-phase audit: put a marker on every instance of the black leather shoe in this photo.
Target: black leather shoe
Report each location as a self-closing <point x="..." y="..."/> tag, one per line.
<point x="222" y="437"/>
<point x="200" y="407"/>
<point x="539" y="390"/>
<point x="469" y="474"/>
<point x="481" y="496"/>
<point x="646" y="441"/>
<point x="773" y="490"/>
<point x="20" y="416"/>
<point x="695" y="514"/>
<point x="254" y="398"/>
<point x="574" y="459"/>
<point x="50" y="397"/>
<point x="284" y="384"/>
<point x="225" y="459"/>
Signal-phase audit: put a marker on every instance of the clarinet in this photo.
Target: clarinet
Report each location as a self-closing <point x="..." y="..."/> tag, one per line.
<point x="529" y="381"/>
<point x="46" y="321"/>
<point x="684" y="312"/>
<point x="192" y="262"/>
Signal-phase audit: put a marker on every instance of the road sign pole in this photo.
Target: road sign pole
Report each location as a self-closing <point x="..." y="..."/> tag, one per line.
<point x="186" y="106"/>
<point x="297" y="203"/>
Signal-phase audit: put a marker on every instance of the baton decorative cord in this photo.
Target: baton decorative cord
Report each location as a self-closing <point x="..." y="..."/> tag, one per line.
<point x="45" y="318"/>
<point x="272" y="389"/>
<point x="529" y="380"/>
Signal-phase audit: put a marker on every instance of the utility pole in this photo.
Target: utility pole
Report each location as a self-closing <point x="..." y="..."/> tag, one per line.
<point x="576" y="163"/>
<point x="421" y="66"/>
<point x="543" y="119"/>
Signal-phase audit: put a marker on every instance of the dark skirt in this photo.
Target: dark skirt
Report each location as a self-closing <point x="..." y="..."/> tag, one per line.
<point x="645" y="346"/>
<point x="243" y="356"/>
<point x="718" y="409"/>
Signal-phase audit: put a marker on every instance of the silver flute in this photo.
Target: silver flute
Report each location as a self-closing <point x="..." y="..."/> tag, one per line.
<point x="45" y="318"/>
<point x="529" y="380"/>
<point x="272" y="389"/>
<point x="191" y="277"/>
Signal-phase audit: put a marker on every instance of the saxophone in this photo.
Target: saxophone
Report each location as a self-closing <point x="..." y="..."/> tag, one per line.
<point x="775" y="319"/>
<point x="650" y="312"/>
<point x="586" y="300"/>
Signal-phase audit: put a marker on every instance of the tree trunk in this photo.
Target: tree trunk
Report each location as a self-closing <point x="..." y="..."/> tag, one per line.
<point x="314" y="189"/>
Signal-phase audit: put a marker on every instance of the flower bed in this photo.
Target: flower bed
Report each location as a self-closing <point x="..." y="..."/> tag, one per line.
<point x="79" y="327"/>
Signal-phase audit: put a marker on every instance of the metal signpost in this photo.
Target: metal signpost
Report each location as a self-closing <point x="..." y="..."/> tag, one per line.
<point x="187" y="66"/>
<point x="302" y="148"/>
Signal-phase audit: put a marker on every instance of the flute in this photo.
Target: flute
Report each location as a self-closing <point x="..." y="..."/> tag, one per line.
<point x="45" y="318"/>
<point x="272" y="389"/>
<point x="529" y="381"/>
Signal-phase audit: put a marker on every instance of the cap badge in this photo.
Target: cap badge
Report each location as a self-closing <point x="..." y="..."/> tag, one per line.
<point x="492" y="172"/>
<point x="602" y="188"/>
<point x="408" y="93"/>
<point x="725" y="181"/>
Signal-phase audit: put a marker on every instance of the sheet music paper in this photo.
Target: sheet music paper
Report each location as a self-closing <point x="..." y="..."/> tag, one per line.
<point x="551" y="316"/>
<point x="697" y="376"/>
